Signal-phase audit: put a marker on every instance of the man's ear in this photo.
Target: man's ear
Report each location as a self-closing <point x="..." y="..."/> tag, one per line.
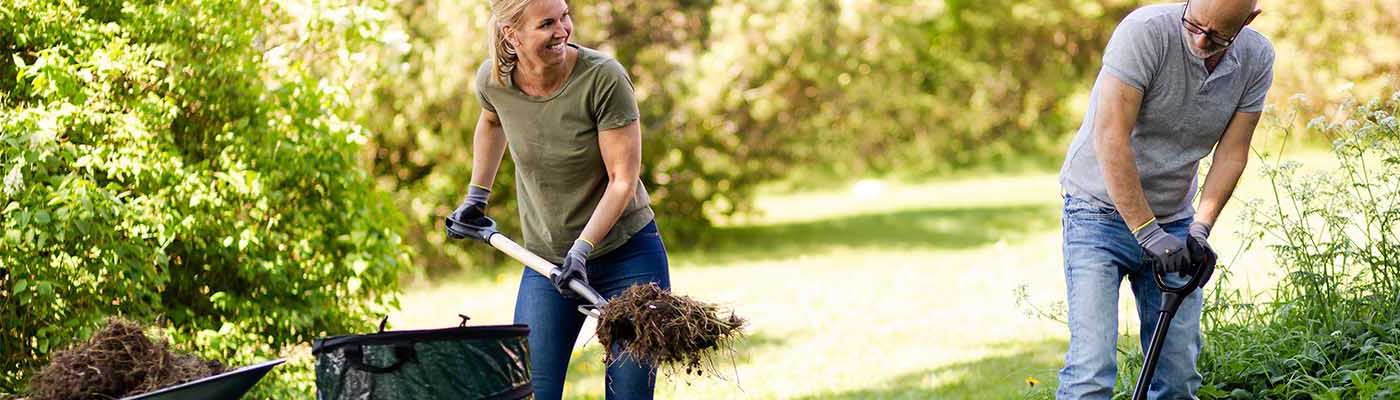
<point x="1252" y="14"/>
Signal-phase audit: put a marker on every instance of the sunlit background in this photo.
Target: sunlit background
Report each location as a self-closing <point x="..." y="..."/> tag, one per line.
<point x="871" y="183"/>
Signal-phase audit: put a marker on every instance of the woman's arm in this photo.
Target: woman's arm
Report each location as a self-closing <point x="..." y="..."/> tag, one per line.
<point x="488" y="145"/>
<point x="622" y="156"/>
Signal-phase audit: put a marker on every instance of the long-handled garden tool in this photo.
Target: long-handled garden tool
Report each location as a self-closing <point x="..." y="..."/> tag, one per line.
<point x="546" y="268"/>
<point x="1202" y="266"/>
<point x="647" y="323"/>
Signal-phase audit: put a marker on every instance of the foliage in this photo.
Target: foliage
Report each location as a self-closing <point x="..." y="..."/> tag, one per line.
<point x="423" y="110"/>
<point x="1331" y="51"/>
<point x="160" y="165"/>
<point x="737" y="93"/>
<point x="1329" y="329"/>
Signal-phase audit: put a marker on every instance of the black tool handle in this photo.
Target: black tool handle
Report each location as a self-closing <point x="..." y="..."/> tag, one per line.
<point x="1172" y="296"/>
<point x="1170" y="302"/>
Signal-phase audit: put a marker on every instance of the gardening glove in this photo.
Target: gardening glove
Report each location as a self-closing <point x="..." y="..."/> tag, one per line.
<point x="1201" y="253"/>
<point x="1202" y="259"/>
<point x="573" y="268"/>
<point x="1200" y="231"/>
<point x="1169" y="252"/>
<point x="470" y="220"/>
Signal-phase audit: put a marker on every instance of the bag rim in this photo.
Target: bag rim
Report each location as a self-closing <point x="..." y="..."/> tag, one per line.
<point x="325" y="344"/>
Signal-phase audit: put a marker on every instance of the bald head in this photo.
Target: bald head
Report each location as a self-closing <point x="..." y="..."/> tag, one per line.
<point x="1226" y="17"/>
<point x="1214" y="23"/>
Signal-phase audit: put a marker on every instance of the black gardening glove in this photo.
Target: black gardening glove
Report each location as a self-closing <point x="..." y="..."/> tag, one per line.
<point x="470" y="220"/>
<point x="573" y="268"/>
<point x="1168" y="251"/>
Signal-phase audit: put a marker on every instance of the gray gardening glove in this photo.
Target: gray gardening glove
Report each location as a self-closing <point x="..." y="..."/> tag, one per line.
<point x="573" y="268"/>
<point x="470" y="220"/>
<point x="1168" y="251"/>
<point x="1199" y="232"/>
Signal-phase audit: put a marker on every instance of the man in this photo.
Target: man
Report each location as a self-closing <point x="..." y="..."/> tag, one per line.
<point x="1177" y="81"/>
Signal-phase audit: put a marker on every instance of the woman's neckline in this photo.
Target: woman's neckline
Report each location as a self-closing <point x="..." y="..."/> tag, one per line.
<point x="573" y="72"/>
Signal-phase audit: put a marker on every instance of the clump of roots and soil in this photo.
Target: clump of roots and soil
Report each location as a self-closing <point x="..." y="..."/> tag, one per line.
<point x="650" y="324"/>
<point x="118" y="361"/>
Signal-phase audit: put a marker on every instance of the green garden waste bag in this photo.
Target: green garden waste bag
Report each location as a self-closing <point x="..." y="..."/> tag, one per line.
<point x="464" y="363"/>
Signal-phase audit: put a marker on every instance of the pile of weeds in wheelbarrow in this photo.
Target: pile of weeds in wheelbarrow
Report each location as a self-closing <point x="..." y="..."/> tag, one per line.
<point x="116" y="362"/>
<point x="650" y="324"/>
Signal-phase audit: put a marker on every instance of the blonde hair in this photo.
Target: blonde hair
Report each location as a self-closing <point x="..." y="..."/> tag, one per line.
<point x="503" y="55"/>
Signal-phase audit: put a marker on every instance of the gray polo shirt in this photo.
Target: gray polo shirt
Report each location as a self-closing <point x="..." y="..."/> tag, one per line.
<point x="1184" y="111"/>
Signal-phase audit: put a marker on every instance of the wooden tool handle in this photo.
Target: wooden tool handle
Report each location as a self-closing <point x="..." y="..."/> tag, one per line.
<point x="542" y="266"/>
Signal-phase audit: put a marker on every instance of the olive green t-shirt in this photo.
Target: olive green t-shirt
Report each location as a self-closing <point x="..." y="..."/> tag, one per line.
<point x="553" y="139"/>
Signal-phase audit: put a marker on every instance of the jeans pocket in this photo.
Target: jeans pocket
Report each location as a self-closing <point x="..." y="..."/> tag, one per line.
<point x="1082" y="209"/>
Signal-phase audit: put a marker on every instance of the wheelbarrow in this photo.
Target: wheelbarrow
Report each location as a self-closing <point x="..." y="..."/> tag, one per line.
<point x="231" y="385"/>
<point x="1202" y="266"/>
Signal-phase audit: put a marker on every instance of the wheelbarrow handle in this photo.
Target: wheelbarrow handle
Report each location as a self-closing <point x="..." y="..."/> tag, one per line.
<point x="546" y="268"/>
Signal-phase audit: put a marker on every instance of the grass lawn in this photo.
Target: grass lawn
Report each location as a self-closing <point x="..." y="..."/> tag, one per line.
<point x="906" y="291"/>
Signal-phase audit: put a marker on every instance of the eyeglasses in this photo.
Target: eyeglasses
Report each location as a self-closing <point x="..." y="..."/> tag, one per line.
<point x="1196" y="29"/>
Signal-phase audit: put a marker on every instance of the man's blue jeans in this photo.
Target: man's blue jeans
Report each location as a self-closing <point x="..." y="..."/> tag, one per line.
<point x="1100" y="251"/>
<point x="555" y="322"/>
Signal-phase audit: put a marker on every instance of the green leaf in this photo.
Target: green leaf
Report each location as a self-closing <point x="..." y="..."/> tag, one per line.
<point x="21" y="285"/>
<point x="359" y="266"/>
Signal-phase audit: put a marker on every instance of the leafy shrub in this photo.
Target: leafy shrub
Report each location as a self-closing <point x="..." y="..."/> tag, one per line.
<point x="157" y="164"/>
<point x="1329" y="329"/>
<point x="734" y="94"/>
<point x="1331" y="50"/>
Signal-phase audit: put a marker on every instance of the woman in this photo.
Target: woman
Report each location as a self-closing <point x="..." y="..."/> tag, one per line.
<point x="568" y="115"/>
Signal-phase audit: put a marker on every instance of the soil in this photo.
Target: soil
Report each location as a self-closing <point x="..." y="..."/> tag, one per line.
<point x="652" y="325"/>
<point x="119" y="361"/>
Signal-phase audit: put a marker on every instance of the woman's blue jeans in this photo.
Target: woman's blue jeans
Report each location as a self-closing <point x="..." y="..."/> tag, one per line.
<point x="555" y="321"/>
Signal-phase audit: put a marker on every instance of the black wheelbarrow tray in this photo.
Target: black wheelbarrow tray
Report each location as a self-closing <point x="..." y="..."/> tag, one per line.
<point x="230" y="385"/>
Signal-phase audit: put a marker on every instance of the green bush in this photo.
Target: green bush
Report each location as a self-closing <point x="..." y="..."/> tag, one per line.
<point x="159" y="165"/>
<point x="1331" y="50"/>
<point x="734" y="94"/>
<point x="422" y="108"/>
<point x="1329" y="329"/>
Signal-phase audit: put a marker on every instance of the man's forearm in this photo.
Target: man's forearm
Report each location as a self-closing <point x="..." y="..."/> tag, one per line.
<point x="1118" y="109"/>
<point x="1220" y="184"/>
<point x="1231" y="156"/>
<point x="1121" y="177"/>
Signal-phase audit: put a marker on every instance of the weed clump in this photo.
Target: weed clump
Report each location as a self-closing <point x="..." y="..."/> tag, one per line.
<point x="118" y="361"/>
<point x="651" y="325"/>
